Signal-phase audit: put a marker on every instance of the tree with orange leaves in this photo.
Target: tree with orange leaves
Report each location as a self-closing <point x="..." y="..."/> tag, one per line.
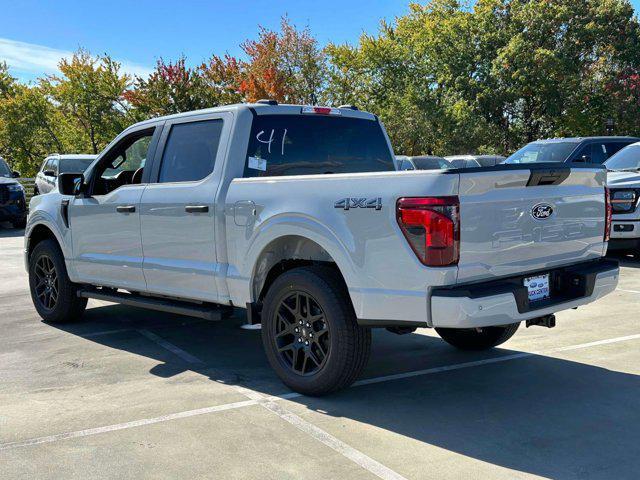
<point x="287" y="66"/>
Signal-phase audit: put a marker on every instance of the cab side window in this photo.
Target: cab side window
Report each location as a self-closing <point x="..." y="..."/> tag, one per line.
<point x="598" y="153"/>
<point x="190" y="152"/>
<point x="124" y="164"/>
<point x="50" y="167"/>
<point x="582" y="155"/>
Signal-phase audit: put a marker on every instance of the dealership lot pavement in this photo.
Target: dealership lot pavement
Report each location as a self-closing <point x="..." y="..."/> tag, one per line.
<point x="130" y="393"/>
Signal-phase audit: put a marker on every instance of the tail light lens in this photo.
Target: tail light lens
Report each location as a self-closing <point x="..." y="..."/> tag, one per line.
<point x="431" y="225"/>
<point x="608" y="213"/>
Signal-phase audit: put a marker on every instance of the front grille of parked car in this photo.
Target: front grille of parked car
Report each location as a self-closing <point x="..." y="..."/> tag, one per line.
<point x="4" y="194"/>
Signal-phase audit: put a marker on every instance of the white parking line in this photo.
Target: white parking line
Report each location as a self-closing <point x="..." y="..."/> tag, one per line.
<point x="369" y="381"/>
<point x="124" y="426"/>
<point x="186" y="356"/>
<point x="332" y="442"/>
<point x="317" y="433"/>
<point x="487" y="361"/>
<point x="627" y="291"/>
<point x="356" y="456"/>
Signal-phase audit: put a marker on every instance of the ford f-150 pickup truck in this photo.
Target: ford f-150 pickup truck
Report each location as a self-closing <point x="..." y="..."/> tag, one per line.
<point x="299" y="215"/>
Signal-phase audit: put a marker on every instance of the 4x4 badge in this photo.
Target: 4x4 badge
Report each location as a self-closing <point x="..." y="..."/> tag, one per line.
<point x="348" y="203"/>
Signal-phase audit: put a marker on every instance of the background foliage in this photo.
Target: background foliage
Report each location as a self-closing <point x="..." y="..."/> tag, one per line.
<point x="446" y="78"/>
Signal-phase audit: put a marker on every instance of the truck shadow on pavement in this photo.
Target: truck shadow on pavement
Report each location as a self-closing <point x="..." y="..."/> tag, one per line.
<point x="626" y="259"/>
<point x="539" y="415"/>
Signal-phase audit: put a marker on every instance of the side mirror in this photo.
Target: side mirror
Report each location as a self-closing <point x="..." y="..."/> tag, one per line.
<point x="16" y="174"/>
<point x="71" y="183"/>
<point x="49" y="173"/>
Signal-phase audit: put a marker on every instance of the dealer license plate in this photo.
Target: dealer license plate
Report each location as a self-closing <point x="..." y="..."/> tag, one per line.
<point x="537" y="287"/>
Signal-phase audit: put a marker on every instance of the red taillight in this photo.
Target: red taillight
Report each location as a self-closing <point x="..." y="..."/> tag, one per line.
<point x="431" y="225"/>
<point x="608" y="213"/>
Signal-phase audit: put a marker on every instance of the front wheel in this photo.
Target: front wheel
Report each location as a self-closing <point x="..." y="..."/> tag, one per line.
<point x="478" y="338"/>
<point x="54" y="295"/>
<point x="310" y="333"/>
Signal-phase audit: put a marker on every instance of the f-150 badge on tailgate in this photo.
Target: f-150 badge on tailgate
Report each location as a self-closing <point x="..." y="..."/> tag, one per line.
<point x="542" y="211"/>
<point x="348" y="203"/>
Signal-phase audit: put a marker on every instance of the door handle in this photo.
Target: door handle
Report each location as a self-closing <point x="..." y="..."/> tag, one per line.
<point x="196" y="208"/>
<point x="125" y="208"/>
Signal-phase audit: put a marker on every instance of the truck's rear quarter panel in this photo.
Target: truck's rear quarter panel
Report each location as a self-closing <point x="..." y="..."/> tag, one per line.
<point x="381" y="271"/>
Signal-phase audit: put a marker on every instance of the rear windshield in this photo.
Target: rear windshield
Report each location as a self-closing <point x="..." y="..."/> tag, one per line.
<point x="312" y="144"/>
<point x="543" y="152"/>
<point x="74" y="165"/>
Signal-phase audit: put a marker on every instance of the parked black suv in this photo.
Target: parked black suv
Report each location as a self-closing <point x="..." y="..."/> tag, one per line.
<point x="576" y="149"/>
<point x="13" y="205"/>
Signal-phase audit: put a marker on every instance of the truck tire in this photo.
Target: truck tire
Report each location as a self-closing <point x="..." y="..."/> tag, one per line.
<point x="477" y="339"/>
<point x="54" y="295"/>
<point x="310" y="332"/>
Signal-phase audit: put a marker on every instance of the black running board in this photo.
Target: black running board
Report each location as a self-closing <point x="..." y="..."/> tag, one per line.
<point x="205" y="311"/>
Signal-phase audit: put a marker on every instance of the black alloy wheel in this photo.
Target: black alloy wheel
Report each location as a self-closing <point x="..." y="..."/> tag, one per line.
<point x="46" y="283"/>
<point x="302" y="334"/>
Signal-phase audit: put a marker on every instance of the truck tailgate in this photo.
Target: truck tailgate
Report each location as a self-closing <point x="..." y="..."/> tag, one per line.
<point x="517" y="219"/>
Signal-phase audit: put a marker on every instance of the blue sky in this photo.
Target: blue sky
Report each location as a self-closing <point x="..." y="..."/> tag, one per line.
<point x="35" y="34"/>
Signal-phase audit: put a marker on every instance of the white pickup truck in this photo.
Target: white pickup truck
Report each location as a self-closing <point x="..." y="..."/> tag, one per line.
<point x="298" y="215"/>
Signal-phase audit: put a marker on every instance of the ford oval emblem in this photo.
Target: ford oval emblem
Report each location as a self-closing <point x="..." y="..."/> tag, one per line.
<point x="542" y="211"/>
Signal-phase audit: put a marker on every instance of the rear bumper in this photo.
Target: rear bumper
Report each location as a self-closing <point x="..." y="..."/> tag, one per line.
<point x="625" y="234"/>
<point x="505" y="301"/>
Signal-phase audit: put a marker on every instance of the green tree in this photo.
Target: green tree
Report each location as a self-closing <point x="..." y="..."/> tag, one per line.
<point x="497" y="75"/>
<point x="30" y="128"/>
<point x="90" y="93"/>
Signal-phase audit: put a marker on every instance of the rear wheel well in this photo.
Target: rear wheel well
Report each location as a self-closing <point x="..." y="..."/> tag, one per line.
<point x="289" y="264"/>
<point x="283" y="254"/>
<point x="280" y="256"/>
<point x="39" y="234"/>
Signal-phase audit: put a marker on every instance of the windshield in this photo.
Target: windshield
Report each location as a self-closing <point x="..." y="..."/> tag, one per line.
<point x="5" y="171"/>
<point x="430" y="163"/>
<point x="626" y="159"/>
<point x="74" y="165"/>
<point x="543" y="152"/>
<point x="313" y="144"/>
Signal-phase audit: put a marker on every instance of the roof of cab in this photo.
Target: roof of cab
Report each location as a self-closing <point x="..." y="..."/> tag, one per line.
<point x="259" y="109"/>
<point x="73" y="156"/>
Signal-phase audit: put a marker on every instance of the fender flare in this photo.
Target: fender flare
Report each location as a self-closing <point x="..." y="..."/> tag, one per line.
<point x="287" y="225"/>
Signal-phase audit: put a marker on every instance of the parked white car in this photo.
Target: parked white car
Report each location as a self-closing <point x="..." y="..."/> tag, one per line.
<point x="298" y="214"/>
<point x="623" y="180"/>
<point x="421" y="162"/>
<point x="474" y="161"/>
<point x="53" y="165"/>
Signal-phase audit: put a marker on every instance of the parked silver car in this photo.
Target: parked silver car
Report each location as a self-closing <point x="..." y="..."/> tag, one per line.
<point x="422" y="162"/>
<point x="474" y="161"/>
<point x="53" y="165"/>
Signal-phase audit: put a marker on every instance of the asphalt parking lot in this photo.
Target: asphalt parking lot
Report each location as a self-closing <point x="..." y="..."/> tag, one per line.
<point x="130" y="393"/>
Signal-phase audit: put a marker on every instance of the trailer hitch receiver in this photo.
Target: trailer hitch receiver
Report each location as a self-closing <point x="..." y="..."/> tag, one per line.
<point x="548" y="321"/>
